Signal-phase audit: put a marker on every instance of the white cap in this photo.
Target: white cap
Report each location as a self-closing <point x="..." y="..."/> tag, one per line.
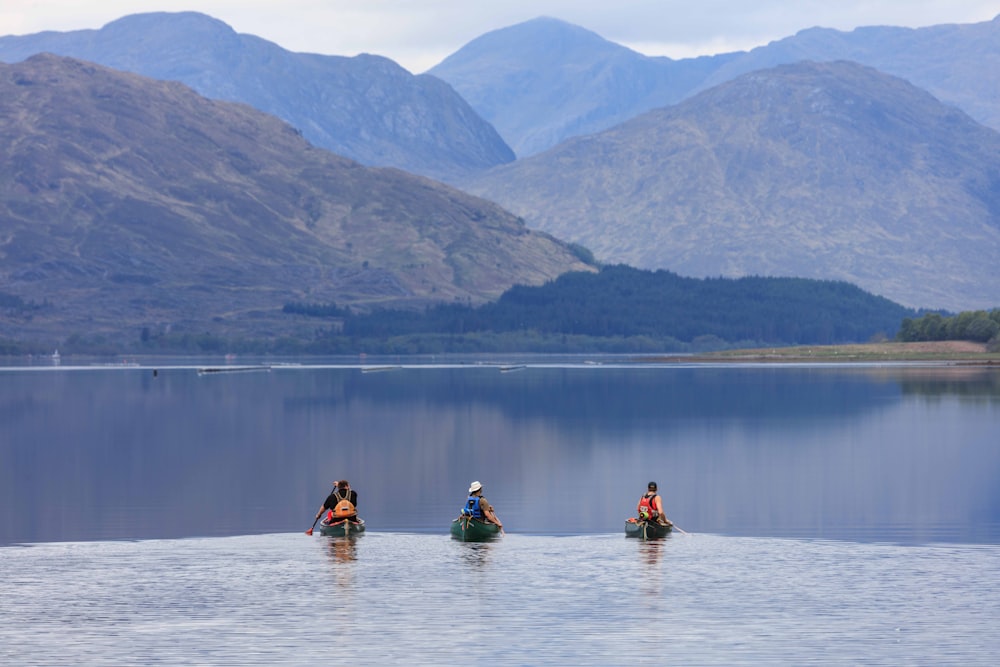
<point x="475" y="486"/>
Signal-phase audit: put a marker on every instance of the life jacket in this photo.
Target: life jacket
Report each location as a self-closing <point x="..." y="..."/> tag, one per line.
<point x="345" y="508"/>
<point x="646" y="509"/>
<point x="472" y="508"/>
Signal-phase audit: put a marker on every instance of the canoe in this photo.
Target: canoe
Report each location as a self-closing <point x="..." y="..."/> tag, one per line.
<point x="469" y="529"/>
<point x="341" y="528"/>
<point x="646" y="530"/>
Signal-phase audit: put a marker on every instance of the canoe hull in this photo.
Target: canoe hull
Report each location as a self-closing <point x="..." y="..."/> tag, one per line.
<point x="646" y="530"/>
<point x="468" y="529"/>
<point x="341" y="528"/>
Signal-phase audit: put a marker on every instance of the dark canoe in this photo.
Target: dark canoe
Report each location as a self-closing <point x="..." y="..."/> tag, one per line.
<point x="646" y="530"/>
<point x="341" y="528"/>
<point x="468" y="529"/>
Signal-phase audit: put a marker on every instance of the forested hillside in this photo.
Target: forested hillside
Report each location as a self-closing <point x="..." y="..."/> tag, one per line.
<point x="621" y="301"/>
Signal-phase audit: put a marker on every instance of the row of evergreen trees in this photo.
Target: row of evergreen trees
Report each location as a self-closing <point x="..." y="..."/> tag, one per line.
<point x="621" y="301"/>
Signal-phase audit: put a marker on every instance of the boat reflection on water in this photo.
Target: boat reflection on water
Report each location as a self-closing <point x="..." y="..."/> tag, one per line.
<point x="652" y="583"/>
<point x="342" y="549"/>
<point x="342" y="552"/>
<point x="476" y="554"/>
<point x="652" y="552"/>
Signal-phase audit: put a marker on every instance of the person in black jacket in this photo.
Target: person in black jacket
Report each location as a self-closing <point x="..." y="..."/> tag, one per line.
<point x="342" y="503"/>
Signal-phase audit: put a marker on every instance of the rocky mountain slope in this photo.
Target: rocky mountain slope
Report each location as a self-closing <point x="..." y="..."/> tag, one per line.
<point x="367" y="108"/>
<point x="957" y="63"/>
<point x="832" y="171"/>
<point x="130" y="203"/>
<point x="544" y="81"/>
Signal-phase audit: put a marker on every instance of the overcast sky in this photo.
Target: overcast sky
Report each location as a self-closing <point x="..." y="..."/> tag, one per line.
<point x="418" y="34"/>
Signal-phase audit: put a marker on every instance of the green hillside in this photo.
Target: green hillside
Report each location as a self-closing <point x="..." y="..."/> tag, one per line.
<point x="657" y="307"/>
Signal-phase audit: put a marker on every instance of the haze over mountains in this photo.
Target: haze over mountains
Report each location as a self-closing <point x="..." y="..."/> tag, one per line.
<point x="366" y="108"/>
<point x="129" y="203"/>
<point x="831" y="170"/>
<point x="543" y="81"/>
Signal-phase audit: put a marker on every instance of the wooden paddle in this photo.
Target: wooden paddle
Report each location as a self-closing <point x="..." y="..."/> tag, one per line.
<point x="496" y="520"/>
<point x="677" y="527"/>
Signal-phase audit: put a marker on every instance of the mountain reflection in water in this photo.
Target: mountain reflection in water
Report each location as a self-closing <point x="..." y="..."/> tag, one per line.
<point x="884" y="453"/>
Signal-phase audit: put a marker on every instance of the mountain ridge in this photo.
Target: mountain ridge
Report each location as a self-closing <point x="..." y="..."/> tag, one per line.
<point x="367" y="107"/>
<point x="815" y="170"/>
<point x="956" y="62"/>
<point x="576" y="81"/>
<point x="132" y="203"/>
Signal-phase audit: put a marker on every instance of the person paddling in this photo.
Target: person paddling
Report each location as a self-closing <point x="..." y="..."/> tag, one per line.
<point x="650" y="507"/>
<point x="342" y="503"/>
<point x="478" y="507"/>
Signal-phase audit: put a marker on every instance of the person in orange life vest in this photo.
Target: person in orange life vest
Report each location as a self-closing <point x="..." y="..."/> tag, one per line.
<point x="651" y="506"/>
<point x="479" y="507"/>
<point x="342" y="503"/>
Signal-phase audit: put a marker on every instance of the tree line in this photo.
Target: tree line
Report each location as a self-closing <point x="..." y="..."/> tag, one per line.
<point x="980" y="326"/>
<point x="622" y="301"/>
<point x="618" y="309"/>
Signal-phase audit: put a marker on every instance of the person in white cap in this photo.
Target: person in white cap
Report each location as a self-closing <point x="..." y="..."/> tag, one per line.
<point x="478" y="507"/>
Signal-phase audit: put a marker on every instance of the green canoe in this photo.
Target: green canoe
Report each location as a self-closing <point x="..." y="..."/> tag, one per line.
<point x="469" y="529"/>
<point x="646" y="530"/>
<point x="341" y="528"/>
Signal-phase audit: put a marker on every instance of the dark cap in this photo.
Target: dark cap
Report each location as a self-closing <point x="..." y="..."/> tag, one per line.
<point x="652" y="486"/>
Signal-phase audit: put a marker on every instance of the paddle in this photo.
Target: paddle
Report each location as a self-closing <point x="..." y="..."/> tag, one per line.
<point x="678" y="527"/>
<point x="310" y="531"/>
<point x="496" y="520"/>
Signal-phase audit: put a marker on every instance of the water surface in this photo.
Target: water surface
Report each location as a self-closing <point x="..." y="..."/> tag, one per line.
<point x="837" y="515"/>
<point x="393" y="598"/>
<point x="872" y="453"/>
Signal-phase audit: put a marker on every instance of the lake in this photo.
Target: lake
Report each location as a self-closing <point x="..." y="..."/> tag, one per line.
<point x="836" y="514"/>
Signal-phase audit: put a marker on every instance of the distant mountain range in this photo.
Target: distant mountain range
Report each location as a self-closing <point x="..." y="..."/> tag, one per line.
<point x="544" y="81"/>
<point x="120" y="211"/>
<point x="832" y="171"/>
<point x="130" y="204"/>
<point x="366" y="108"/>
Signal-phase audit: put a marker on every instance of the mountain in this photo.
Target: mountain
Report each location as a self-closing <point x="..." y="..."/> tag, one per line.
<point x="957" y="63"/>
<point x="128" y="203"/>
<point x="544" y="81"/>
<point x="832" y="171"/>
<point x="367" y="108"/>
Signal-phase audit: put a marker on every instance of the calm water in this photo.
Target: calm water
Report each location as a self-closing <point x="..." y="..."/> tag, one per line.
<point x="409" y="599"/>
<point x="838" y="515"/>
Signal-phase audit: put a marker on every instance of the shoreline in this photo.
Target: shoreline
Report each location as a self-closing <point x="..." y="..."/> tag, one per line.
<point x="959" y="353"/>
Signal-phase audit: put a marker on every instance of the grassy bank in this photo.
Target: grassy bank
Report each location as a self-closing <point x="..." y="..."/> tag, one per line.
<point x="953" y="351"/>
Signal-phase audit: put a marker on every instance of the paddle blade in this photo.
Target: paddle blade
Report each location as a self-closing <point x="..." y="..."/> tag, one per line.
<point x="309" y="532"/>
